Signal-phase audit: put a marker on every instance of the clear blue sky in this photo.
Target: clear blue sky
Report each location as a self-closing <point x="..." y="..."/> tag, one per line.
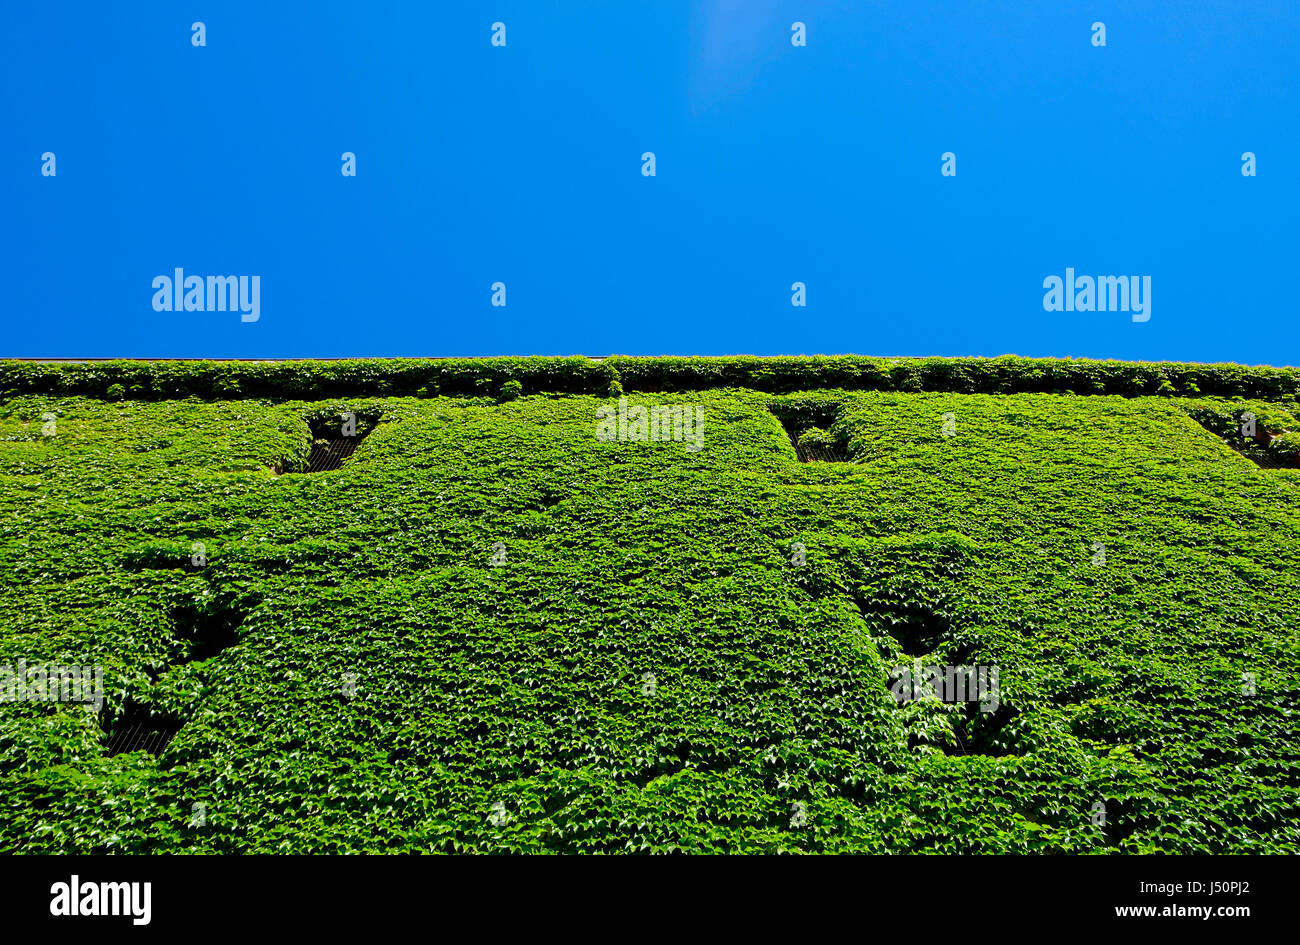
<point x="775" y="164"/>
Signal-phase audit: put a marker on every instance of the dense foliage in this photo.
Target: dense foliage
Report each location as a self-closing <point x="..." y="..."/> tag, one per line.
<point x="150" y="380"/>
<point x="492" y="631"/>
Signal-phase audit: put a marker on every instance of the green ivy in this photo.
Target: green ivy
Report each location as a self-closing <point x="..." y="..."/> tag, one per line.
<point x="566" y="644"/>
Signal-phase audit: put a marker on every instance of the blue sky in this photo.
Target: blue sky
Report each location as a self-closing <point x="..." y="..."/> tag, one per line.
<point x="775" y="164"/>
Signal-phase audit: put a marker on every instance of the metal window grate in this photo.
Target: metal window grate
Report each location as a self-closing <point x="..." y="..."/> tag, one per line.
<point x="818" y="454"/>
<point x="139" y="730"/>
<point x="329" y="453"/>
<point x="1253" y="450"/>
